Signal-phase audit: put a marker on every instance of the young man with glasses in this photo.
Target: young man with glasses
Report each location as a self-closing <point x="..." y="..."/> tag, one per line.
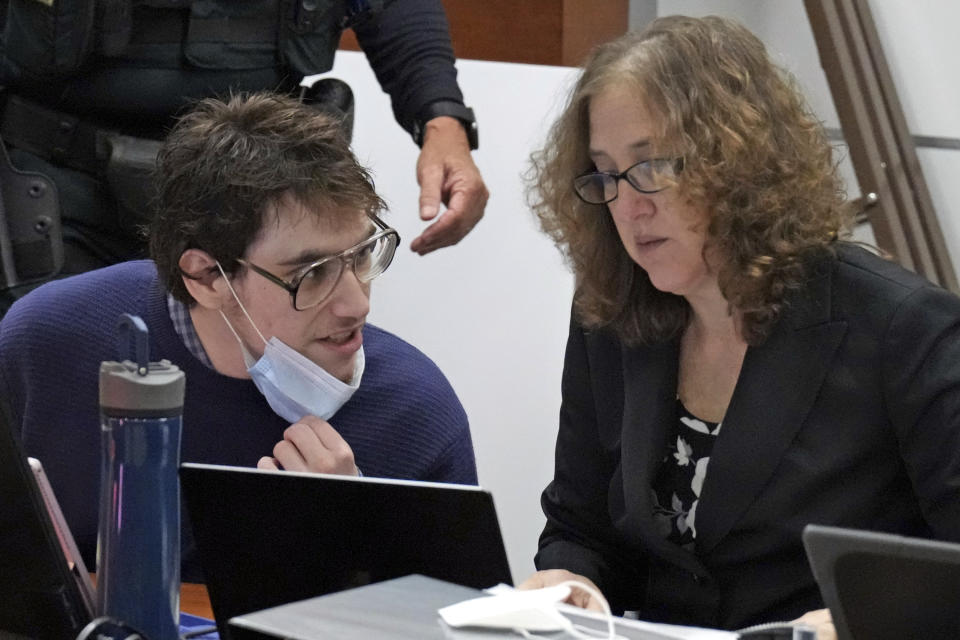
<point x="264" y="243"/>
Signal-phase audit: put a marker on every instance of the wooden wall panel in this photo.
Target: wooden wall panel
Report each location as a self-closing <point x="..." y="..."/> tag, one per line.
<point x="556" y="32"/>
<point x="589" y="23"/>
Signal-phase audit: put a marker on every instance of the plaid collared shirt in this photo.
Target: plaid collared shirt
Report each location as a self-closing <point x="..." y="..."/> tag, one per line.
<point x="183" y="325"/>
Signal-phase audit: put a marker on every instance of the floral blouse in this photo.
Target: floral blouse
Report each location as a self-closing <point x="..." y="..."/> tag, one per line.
<point x="676" y="488"/>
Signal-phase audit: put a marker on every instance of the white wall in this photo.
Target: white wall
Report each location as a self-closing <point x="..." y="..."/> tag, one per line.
<point x="920" y="42"/>
<point x="493" y="311"/>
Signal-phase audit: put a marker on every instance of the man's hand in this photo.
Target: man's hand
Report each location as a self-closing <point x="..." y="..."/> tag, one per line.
<point x="446" y="174"/>
<point x="311" y="445"/>
<point x="577" y="597"/>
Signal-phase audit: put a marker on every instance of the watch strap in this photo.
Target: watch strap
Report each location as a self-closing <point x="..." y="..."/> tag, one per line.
<point x="447" y="108"/>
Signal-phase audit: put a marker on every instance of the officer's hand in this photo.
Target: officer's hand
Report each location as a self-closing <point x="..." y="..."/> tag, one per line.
<point x="446" y="174"/>
<point x="311" y="445"/>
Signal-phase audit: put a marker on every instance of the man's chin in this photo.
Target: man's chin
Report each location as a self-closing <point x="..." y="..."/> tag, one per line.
<point x="340" y="368"/>
<point x="337" y="359"/>
<point x="345" y="373"/>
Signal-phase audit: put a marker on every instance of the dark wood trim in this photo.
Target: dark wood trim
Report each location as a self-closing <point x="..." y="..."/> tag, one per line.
<point x="898" y="202"/>
<point x="587" y="23"/>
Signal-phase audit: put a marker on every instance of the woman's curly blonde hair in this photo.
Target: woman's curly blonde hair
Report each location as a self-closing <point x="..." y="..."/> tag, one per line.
<point x="755" y="158"/>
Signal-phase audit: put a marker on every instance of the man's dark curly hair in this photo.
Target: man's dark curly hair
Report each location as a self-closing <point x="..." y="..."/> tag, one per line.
<point x="227" y="164"/>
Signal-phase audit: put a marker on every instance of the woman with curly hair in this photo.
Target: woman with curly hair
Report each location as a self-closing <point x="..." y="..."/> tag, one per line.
<point x="734" y="370"/>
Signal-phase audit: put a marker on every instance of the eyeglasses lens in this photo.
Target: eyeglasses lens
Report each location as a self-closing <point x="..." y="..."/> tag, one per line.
<point x="646" y="177"/>
<point x="368" y="260"/>
<point x="373" y="259"/>
<point x="596" y="188"/>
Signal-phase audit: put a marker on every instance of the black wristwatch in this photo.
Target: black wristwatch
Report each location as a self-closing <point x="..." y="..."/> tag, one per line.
<point x="446" y="108"/>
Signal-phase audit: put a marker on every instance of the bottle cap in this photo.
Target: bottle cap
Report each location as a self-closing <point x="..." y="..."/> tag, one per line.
<point x="139" y="389"/>
<point x="124" y="391"/>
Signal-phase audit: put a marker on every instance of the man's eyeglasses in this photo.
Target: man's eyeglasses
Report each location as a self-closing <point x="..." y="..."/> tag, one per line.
<point x="315" y="283"/>
<point x="649" y="176"/>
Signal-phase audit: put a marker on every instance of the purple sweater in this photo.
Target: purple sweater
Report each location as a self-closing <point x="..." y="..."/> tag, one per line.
<point x="403" y="422"/>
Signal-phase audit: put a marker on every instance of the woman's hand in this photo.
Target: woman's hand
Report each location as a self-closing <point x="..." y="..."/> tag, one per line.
<point x="821" y="621"/>
<point x="578" y="597"/>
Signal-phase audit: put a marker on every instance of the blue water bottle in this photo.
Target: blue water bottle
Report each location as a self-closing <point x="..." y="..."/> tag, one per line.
<point x="138" y="547"/>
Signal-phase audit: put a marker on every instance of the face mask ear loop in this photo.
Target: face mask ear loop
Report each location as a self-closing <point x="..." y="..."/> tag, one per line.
<point x="242" y="308"/>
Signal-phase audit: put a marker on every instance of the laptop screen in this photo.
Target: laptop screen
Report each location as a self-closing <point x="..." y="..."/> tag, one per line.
<point x="39" y="595"/>
<point x="882" y="586"/>
<point x="267" y="538"/>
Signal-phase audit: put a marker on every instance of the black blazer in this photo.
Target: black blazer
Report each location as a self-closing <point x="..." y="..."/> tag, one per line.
<point x="848" y="415"/>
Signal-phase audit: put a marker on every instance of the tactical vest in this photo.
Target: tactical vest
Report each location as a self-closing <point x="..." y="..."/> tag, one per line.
<point x="47" y="39"/>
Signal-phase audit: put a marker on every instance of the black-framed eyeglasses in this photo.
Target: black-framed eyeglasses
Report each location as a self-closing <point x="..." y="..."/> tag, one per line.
<point x="313" y="285"/>
<point x="648" y="176"/>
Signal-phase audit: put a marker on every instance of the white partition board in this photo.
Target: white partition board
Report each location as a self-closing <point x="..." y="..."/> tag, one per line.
<point x="493" y="311"/>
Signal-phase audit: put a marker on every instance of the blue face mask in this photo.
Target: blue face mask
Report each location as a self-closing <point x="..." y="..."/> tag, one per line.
<point x="293" y="385"/>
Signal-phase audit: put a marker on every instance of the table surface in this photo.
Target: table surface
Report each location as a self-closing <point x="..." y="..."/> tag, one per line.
<point x="195" y="600"/>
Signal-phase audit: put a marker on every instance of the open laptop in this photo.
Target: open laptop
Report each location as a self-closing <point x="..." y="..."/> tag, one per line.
<point x="42" y="595"/>
<point x="267" y="538"/>
<point x="882" y="586"/>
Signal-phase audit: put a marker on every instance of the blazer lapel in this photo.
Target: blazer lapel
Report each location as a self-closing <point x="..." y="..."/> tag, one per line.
<point x="649" y="407"/>
<point x="778" y="384"/>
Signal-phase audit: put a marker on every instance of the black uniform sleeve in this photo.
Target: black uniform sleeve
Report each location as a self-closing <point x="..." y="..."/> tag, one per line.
<point x="408" y="46"/>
